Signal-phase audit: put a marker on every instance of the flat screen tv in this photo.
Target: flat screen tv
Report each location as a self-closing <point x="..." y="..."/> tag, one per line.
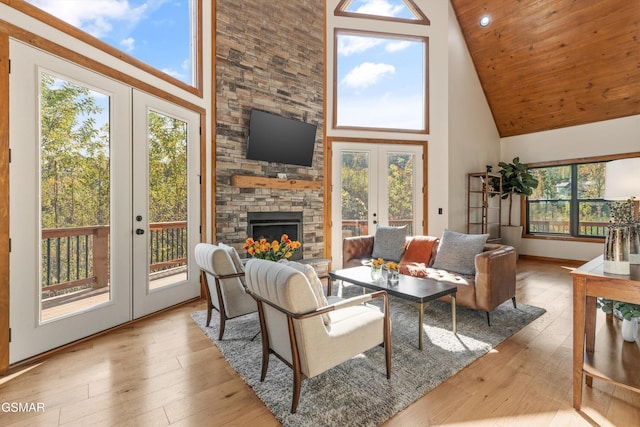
<point x="278" y="139"/>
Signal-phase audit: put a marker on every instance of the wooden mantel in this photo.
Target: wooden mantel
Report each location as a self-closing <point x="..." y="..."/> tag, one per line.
<point x="283" y="184"/>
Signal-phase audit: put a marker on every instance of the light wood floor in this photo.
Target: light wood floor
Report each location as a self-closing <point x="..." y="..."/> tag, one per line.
<point x="164" y="371"/>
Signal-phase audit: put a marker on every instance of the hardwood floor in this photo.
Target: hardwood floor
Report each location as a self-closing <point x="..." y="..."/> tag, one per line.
<point x="164" y="371"/>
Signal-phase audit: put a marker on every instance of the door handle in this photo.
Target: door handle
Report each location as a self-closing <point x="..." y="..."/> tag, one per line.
<point x="139" y="231"/>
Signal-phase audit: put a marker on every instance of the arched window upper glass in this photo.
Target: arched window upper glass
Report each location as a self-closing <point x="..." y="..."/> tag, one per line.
<point x="391" y="10"/>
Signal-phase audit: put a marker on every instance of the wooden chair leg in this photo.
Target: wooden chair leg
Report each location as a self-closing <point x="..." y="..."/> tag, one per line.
<point x="297" y="381"/>
<point x="265" y="342"/>
<point x="223" y="321"/>
<point x="514" y="302"/>
<point x="488" y="319"/>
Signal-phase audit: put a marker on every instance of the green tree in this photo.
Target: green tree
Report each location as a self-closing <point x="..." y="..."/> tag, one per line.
<point x="74" y="156"/>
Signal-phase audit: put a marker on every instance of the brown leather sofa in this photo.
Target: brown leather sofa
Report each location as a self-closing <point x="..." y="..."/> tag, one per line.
<point x="493" y="283"/>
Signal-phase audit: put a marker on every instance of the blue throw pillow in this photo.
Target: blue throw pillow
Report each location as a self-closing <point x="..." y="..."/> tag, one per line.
<point x="457" y="252"/>
<point x="389" y="243"/>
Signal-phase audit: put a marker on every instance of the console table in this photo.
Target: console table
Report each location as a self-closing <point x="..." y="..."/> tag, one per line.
<point x="606" y="357"/>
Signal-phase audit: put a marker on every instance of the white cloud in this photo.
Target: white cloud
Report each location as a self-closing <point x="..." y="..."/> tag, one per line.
<point x="348" y="45"/>
<point x="367" y="74"/>
<point x="379" y="8"/>
<point x="173" y="73"/>
<point x="397" y="46"/>
<point x="97" y="17"/>
<point x="128" y="44"/>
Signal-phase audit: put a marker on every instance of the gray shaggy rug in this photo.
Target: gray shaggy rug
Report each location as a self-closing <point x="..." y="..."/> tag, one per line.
<point x="357" y="393"/>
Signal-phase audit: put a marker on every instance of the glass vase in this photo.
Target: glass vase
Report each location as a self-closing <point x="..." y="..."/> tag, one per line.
<point x="393" y="276"/>
<point x="376" y="273"/>
<point x="616" y="250"/>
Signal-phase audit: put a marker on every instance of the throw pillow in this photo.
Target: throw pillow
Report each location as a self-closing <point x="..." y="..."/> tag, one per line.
<point x="415" y="260"/>
<point x="233" y="254"/>
<point x="457" y="252"/>
<point x="389" y="242"/>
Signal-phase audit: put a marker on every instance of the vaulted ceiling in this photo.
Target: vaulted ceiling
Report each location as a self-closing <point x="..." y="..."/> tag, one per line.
<point x="547" y="64"/>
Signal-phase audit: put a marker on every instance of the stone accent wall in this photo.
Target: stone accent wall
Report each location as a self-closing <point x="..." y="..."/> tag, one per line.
<point x="269" y="56"/>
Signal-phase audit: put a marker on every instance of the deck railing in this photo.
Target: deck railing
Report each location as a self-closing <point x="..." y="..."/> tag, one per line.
<point x="78" y="257"/>
<point x="355" y="227"/>
<point x="595" y="229"/>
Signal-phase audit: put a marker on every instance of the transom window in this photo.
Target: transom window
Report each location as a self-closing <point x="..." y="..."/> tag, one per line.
<point x="391" y="10"/>
<point x="159" y="33"/>
<point x="568" y="201"/>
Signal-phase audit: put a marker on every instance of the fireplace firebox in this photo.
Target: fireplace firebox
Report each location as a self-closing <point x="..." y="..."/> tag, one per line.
<point x="272" y="225"/>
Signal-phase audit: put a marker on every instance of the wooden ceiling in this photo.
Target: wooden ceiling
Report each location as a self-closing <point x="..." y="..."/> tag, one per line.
<point x="548" y="64"/>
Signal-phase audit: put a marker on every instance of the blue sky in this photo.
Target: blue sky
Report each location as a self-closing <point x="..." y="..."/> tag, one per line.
<point x="154" y="31"/>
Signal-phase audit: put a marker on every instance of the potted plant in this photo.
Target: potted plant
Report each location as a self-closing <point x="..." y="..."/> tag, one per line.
<point x="516" y="180"/>
<point x="627" y="311"/>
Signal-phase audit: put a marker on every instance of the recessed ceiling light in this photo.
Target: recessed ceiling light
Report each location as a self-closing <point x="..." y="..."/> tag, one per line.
<point x="485" y="21"/>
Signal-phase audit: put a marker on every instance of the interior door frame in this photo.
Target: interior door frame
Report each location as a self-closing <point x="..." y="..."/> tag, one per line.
<point x="328" y="181"/>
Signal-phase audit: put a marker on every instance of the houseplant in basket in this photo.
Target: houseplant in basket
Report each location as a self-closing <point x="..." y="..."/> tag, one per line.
<point x="516" y="180"/>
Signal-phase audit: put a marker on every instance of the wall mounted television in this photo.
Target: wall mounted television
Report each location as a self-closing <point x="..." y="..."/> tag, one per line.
<point x="278" y="139"/>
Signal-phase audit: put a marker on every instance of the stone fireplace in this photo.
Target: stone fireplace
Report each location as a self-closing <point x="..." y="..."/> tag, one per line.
<point x="277" y="66"/>
<point x="272" y="225"/>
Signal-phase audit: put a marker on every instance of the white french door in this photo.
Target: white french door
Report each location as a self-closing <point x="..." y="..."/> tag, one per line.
<point x="166" y="184"/>
<point x="89" y="156"/>
<point x="375" y="184"/>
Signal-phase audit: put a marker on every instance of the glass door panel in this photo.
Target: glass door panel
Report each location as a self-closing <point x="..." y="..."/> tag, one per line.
<point x="167" y="166"/>
<point x="354" y="198"/>
<point x="75" y="196"/>
<point x="402" y="190"/>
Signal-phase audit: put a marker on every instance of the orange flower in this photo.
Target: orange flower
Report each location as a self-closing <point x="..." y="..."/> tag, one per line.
<point x="271" y="250"/>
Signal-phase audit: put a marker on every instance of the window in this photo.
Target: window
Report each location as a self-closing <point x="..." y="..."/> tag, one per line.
<point x="161" y="34"/>
<point x="568" y="201"/>
<point x="380" y="81"/>
<point x="390" y="10"/>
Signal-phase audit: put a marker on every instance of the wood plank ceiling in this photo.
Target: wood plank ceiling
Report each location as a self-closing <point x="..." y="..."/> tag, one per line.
<point x="548" y="64"/>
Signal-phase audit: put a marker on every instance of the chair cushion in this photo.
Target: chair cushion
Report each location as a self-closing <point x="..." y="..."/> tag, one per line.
<point x="389" y="242"/>
<point x="457" y="252"/>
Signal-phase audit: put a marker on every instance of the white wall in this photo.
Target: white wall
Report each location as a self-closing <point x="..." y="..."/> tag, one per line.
<point x="474" y="141"/>
<point x="595" y="139"/>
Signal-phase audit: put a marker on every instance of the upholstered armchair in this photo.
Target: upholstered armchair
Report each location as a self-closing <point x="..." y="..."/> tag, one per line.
<point x="312" y="336"/>
<point x="222" y="272"/>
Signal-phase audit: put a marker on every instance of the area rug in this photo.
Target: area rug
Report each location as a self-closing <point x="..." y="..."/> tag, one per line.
<point x="357" y="393"/>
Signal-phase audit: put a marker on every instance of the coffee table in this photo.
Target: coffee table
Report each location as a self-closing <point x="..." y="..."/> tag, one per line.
<point x="416" y="289"/>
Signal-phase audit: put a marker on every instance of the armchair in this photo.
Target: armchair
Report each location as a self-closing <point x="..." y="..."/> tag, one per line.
<point x="224" y="288"/>
<point x="293" y="328"/>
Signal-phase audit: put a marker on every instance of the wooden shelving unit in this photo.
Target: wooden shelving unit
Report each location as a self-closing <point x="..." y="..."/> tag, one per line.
<point x="484" y="207"/>
<point x="247" y="181"/>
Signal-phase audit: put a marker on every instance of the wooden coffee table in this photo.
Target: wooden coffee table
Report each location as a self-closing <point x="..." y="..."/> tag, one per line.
<point x="416" y="289"/>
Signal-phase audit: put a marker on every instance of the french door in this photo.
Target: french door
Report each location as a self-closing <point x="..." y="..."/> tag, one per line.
<point x="375" y="184"/>
<point x="104" y="202"/>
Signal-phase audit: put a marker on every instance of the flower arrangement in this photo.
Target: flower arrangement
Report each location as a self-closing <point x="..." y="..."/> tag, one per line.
<point x="392" y="265"/>
<point x="377" y="262"/>
<point x="272" y="251"/>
